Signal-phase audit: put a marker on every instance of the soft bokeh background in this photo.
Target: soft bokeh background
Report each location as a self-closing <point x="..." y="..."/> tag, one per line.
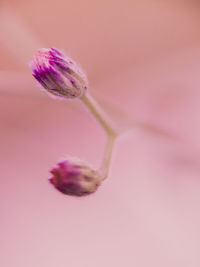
<point x="142" y="59"/>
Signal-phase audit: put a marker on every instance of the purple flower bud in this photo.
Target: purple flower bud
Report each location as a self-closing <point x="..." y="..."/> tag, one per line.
<point x="73" y="177"/>
<point x="58" y="74"/>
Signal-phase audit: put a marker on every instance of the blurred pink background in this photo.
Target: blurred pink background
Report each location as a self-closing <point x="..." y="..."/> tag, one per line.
<point x="142" y="59"/>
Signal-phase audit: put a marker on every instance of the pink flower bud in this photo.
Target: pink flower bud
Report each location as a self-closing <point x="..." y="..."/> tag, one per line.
<point x="73" y="177"/>
<point x="58" y="74"/>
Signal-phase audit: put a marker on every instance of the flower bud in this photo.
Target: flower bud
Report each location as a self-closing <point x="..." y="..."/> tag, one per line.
<point x="58" y="74"/>
<point x="73" y="177"/>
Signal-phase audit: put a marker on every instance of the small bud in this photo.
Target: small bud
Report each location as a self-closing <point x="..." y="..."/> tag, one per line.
<point x="58" y="74"/>
<point x="73" y="177"/>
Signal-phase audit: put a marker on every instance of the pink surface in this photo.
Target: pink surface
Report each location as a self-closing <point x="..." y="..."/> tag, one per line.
<point x="141" y="57"/>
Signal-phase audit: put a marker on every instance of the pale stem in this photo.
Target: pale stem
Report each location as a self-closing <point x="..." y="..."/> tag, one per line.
<point x="89" y="101"/>
<point x="106" y="124"/>
<point x="107" y="157"/>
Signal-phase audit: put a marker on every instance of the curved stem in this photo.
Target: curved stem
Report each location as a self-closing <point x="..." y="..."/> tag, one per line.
<point x="106" y="124"/>
<point x="107" y="157"/>
<point x="89" y="101"/>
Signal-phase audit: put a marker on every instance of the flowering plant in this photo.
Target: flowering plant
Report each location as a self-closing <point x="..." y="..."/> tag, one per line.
<point x="61" y="77"/>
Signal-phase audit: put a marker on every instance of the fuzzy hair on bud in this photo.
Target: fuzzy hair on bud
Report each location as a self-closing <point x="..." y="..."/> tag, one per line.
<point x="58" y="74"/>
<point x="74" y="177"/>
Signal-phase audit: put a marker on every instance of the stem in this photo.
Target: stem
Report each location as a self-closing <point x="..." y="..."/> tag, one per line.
<point x="98" y="113"/>
<point x="107" y="157"/>
<point x="106" y="124"/>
